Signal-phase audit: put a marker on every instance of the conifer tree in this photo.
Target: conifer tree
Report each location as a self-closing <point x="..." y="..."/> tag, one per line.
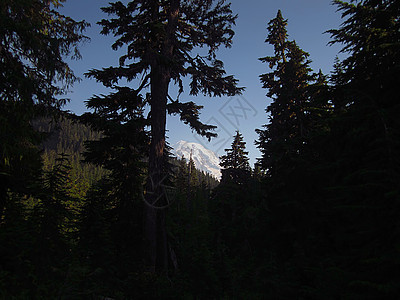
<point x="193" y="179"/>
<point x="235" y="163"/>
<point x="287" y="83"/>
<point x="233" y="213"/>
<point x="257" y="173"/>
<point x="36" y="42"/>
<point x="115" y="205"/>
<point x="55" y="216"/>
<point x="287" y="157"/>
<point x="336" y="204"/>
<point x="182" y="175"/>
<point x="192" y="184"/>
<point x="363" y="190"/>
<point x="161" y="37"/>
<point x="35" y="39"/>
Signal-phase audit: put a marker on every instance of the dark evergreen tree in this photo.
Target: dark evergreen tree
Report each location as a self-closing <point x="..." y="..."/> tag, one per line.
<point x="257" y="172"/>
<point x="182" y="176"/>
<point x="189" y="230"/>
<point x="193" y="175"/>
<point x="329" y="216"/>
<point x="362" y="157"/>
<point x="297" y="111"/>
<point x="169" y="168"/>
<point x="235" y="163"/>
<point x="283" y="138"/>
<point x="118" y="200"/>
<point x="161" y="37"/>
<point x="34" y="41"/>
<point x="55" y="221"/>
<point x="233" y="212"/>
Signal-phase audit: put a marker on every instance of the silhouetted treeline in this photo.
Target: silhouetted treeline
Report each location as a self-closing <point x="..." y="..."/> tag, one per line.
<point x="95" y="206"/>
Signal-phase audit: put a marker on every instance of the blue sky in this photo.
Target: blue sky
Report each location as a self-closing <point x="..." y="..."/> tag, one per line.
<point x="307" y="22"/>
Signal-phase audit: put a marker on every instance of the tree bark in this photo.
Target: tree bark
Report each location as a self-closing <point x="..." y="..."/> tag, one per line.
<point x="155" y="232"/>
<point x="154" y="220"/>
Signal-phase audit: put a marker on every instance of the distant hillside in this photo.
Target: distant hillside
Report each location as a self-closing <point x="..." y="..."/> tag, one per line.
<point x="69" y="137"/>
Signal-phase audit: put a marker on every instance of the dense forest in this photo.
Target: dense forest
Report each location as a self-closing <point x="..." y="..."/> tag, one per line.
<point x="96" y="206"/>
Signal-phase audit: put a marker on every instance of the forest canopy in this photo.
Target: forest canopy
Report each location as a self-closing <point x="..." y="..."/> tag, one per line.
<point x="97" y="207"/>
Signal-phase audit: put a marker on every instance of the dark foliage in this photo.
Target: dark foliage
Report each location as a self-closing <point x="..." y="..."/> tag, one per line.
<point x="35" y="41"/>
<point x="235" y="163"/>
<point x="162" y="39"/>
<point x="317" y="218"/>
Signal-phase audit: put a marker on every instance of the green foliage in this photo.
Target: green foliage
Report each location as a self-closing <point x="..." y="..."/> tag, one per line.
<point x="296" y="116"/>
<point x="68" y="136"/>
<point x="36" y="238"/>
<point x="111" y="228"/>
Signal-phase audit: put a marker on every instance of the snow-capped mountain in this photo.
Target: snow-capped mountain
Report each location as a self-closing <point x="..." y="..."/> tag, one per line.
<point x="204" y="159"/>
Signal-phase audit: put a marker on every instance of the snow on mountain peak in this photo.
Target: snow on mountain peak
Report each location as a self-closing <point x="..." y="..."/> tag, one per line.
<point x="204" y="159"/>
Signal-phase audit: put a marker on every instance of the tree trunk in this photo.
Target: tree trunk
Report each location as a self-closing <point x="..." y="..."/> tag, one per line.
<point x="154" y="219"/>
<point x="155" y="232"/>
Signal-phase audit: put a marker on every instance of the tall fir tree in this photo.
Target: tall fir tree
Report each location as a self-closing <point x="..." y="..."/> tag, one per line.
<point x="287" y="83"/>
<point x="161" y="39"/>
<point x="235" y="163"/>
<point x="362" y="153"/>
<point x="299" y="105"/>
